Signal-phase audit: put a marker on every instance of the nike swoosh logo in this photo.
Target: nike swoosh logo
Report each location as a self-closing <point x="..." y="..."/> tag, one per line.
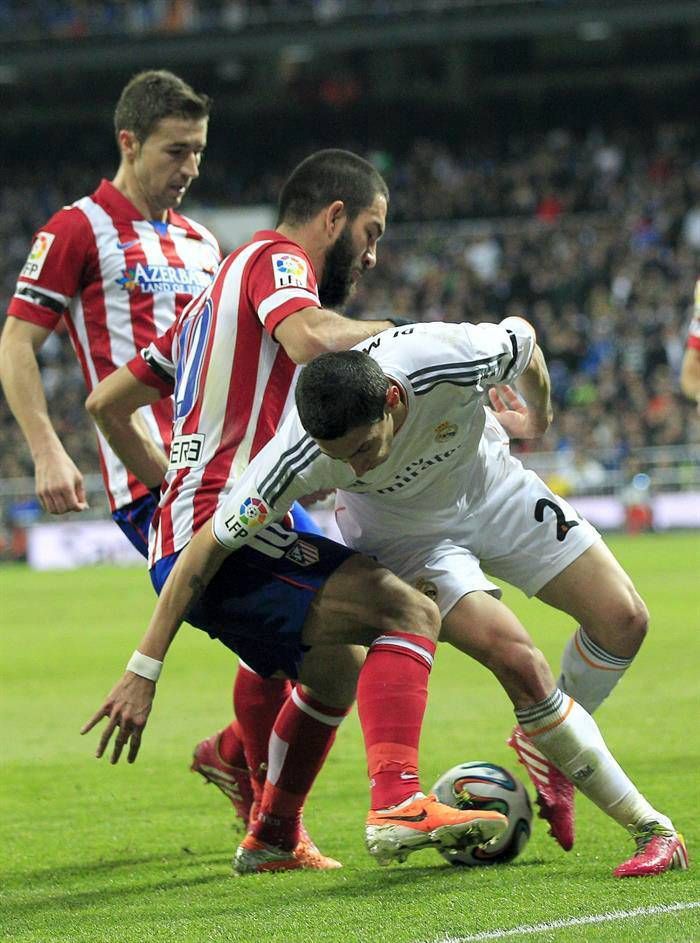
<point x="406" y="818"/>
<point x="127" y="245"/>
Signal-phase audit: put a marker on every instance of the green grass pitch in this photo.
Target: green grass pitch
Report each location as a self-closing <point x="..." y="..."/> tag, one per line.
<point x="107" y="854"/>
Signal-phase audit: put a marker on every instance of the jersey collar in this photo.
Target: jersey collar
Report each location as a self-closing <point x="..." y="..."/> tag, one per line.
<point x="119" y="207"/>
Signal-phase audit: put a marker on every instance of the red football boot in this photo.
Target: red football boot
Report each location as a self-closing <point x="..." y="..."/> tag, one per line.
<point x="555" y="794"/>
<point x="233" y="781"/>
<point x="659" y="849"/>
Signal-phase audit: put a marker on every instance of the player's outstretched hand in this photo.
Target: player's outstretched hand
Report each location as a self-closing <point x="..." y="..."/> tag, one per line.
<point x="511" y="412"/>
<point x="127" y="706"/>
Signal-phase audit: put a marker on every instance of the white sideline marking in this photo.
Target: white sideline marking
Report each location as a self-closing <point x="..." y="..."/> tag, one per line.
<point x="571" y="922"/>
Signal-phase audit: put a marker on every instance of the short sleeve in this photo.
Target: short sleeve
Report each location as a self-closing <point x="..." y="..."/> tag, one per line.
<point x="521" y="336"/>
<point x="155" y="365"/>
<point x="54" y="272"/>
<point x="488" y="354"/>
<point x="281" y="281"/>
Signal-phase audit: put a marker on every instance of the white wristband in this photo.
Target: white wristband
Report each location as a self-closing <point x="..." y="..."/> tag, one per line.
<point x="145" y="666"/>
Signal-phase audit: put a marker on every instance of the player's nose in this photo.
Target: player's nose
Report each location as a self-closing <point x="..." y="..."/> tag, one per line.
<point x="191" y="166"/>
<point x="369" y="258"/>
<point x="360" y="466"/>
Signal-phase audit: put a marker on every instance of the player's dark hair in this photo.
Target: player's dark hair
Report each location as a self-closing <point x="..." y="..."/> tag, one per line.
<point x="150" y="96"/>
<point x="327" y="176"/>
<point x="339" y="391"/>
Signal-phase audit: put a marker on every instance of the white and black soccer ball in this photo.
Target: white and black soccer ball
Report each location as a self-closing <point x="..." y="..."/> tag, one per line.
<point x="487" y="786"/>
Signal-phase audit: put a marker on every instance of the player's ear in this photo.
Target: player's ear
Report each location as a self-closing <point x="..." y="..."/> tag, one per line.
<point x="334" y="218"/>
<point x="128" y="144"/>
<point x="393" y="396"/>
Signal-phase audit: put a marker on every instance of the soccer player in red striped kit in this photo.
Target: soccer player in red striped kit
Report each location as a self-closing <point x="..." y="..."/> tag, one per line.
<point x="117" y="268"/>
<point x="291" y="604"/>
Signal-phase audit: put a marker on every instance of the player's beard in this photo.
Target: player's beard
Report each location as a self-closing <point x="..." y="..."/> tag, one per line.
<point x="336" y="281"/>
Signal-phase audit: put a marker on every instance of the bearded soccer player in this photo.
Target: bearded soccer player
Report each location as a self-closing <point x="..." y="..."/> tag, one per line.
<point x="426" y="485"/>
<point x="118" y="267"/>
<point x="292" y="604"/>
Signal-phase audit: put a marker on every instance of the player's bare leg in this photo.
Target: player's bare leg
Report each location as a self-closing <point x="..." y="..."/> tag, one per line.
<point x="564" y="734"/>
<point x="364" y="603"/>
<point x="612" y="620"/>
<point x="485" y="629"/>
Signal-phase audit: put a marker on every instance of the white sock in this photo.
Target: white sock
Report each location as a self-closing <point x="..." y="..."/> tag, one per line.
<point x="569" y="738"/>
<point x="588" y="672"/>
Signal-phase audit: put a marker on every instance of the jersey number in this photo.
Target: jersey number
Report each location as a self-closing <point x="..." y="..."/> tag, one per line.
<point x="193" y="344"/>
<point x="563" y="526"/>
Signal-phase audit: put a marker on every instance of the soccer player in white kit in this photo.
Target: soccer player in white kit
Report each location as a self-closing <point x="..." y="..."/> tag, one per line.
<point x="428" y="486"/>
<point x="293" y="603"/>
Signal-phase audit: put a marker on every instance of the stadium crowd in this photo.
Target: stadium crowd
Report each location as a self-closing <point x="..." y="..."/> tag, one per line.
<point x="596" y="241"/>
<point x="77" y="19"/>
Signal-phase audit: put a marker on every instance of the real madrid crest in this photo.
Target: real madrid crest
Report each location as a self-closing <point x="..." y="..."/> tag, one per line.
<point x="446" y="430"/>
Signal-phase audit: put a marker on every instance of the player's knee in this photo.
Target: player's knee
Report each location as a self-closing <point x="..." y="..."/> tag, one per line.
<point x="329" y="674"/>
<point x="400" y="608"/>
<point x="343" y="685"/>
<point x="524" y="672"/>
<point x="626" y="625"/>
<point x="638" y="618"/>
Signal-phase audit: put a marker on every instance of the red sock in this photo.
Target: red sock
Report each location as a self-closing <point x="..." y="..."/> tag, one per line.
<point x="256" y="703"/>
<point x="391" y="696"/>
<point x="301" y="738"/>
<point x="231" y="746"/>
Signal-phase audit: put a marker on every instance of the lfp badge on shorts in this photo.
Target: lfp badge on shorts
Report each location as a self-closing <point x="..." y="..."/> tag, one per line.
<point x="253" y="512"/>
<point x="289" y="270"/>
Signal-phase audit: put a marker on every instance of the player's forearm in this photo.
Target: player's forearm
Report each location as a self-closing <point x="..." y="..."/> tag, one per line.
<point x="21" y="382"/>
<point x="320" y="331"/>
<point x="114" y="405"/>
<point x="195" y="568"/>
<point x="535" y="387"/>
<point x="130" y="440"/>
<point x="342" y="333"/>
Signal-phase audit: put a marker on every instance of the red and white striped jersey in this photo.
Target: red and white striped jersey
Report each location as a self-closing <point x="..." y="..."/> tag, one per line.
<point x="440" y="464"/>
<point x="233" y="383"/>
<point x="694" y="328"/>
<point x="118" y="281"/>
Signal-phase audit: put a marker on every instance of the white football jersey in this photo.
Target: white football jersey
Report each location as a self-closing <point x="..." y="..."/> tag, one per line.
<point x="438" y="456"/>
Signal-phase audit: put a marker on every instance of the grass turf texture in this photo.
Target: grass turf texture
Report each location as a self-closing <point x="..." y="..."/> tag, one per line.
<point x="132" y="853"/>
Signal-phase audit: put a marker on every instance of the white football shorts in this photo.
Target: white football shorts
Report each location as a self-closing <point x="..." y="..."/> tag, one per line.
<point x="519" y="532"/>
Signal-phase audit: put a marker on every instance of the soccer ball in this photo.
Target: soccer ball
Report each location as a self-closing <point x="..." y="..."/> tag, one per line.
<point x="487" y="786"/>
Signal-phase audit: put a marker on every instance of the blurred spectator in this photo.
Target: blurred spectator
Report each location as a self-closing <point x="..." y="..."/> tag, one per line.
<point x="607" y="280"/>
